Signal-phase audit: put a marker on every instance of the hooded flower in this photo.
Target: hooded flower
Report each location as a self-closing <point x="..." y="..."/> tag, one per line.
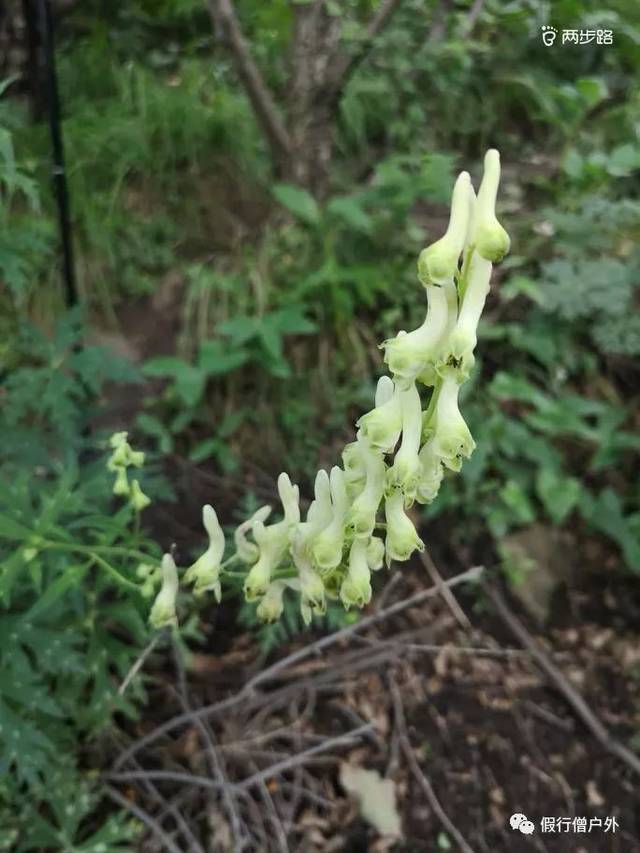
<point x="405" y="470"/>
<point x="402" y="539"/>
<point x="204" y="574"/>
<point x="361" y="518"/>
<point x="271" y="604"/>
<point x="139" y="500"/>
<point x="410" y="355"/>
<point x="356" y="587"/>
<point x="381" y="426"/>
<point x="163" y="611"/>
<point x="438" y="263"/>
<point x="312" y="594"/>
<point x="375" y="553"/>
<point x="326" y="547"/>
<point x="457" y="354"/>
<point x="319" y="515"/>
<point x="121" y="485"/>
<point x="246" y="550"/>
<point x="273" y="541"/>
<point x="431" y="474"/>
<point x="452" y="439"/>
<point x="490" y="239"/>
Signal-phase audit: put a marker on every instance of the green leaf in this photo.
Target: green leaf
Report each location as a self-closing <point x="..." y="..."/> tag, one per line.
<point x="518" y="502"/>
<point x="299" y="202"/>
<point x="165" y="365"/>
<point x="349" y="209"/>
<point x="150" y="425"/>
<point x="216" y="359"/>
<point x="558" y="494"/>
<point x="13" y="530"/>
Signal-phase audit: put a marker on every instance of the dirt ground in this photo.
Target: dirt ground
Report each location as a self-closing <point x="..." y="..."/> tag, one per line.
<point x="444" y="701"/>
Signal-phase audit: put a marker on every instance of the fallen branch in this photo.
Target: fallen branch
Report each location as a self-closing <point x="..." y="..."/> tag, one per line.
<point x="311" y="650"/>
<point x="569" y="692"/>
<point x="419" y="775"/>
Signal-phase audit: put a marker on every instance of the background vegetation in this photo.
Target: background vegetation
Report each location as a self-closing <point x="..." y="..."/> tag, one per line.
<point x="232" y="299"/>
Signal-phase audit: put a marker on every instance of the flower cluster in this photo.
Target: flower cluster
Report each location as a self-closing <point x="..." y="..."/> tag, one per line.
<point x="122" y="458"/>
<point x="357" y="520"/>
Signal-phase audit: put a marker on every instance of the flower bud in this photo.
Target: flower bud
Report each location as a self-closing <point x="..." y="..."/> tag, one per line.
<point x="402" y="539"/>
<point x="163" y="611"/>
<point x="490" y="239"/>
<point x="438" y="263"/>
<point x="139" y="500"/>
<point x="205" y="572"/>
<point x="271" y="604"/>
<point x="356" y="587"/>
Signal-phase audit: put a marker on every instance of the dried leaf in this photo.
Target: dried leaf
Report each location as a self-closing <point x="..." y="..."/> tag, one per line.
<point x="376" y="798"/>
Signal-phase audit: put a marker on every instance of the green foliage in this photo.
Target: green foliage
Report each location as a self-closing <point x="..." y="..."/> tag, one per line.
<point x="50" y="383"/>
<point x="71" y="621"/>
<point x="25" y="237"/>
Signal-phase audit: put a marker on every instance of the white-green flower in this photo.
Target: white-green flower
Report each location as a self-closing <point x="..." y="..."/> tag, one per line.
<point x="356" y="587"/>
<point x="410" y="355"/>
<point x="375" y="553"/>
<point x="381" y="426"/>
<point x="312" y="592"/>
<point x="247" y="550"/>
<point x="204" y="574"/>
<point x="457" y="353"/>
<point x="384" y="390"/>
<point x="355" y="470"/>
<point x="273" y="541"/>
<point x="431" y="474"/>
<point x="121" y="485"/>
<point x="319" y="515"/>
<point x="326" y="547"/>
<point x="452" y="440"/>
<point x="438" y="263"/>
<point x="361" y="517"/>
<point x="490" y="239"/>
<point x="272" y="545"/>
<point x="402" y="539"/>
<point x="405" y="470"/>
<point x="163" y="610"/>
<point x="271" y="604"/>
<point x="139" y="500"/>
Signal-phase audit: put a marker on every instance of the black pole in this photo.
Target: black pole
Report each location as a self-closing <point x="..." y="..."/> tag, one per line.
<point x="49" y="81"/>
